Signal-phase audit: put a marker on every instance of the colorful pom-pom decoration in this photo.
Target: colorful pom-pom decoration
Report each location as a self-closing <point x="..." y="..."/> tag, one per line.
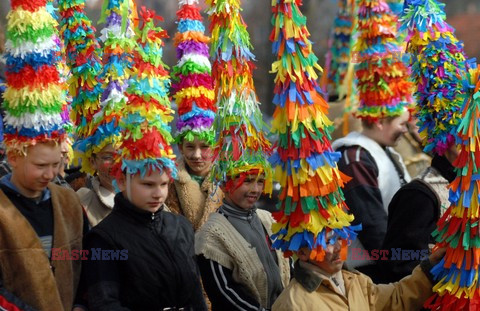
<point x="35" y="93"/>
<point x="457" y="286"/>
<point x="84" y="60"/>
<point x="241" y="145"/>
<point x="192" y="82"/>
<point x="383" y="85"/>
<point x="312" y="206"/>
<point x="146" y="134"/>
<point x="438" y="66"/>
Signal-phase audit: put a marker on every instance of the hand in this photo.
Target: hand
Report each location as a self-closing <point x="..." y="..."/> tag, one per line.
<point x="437" y="255"/>
<point x="77" y="308"/>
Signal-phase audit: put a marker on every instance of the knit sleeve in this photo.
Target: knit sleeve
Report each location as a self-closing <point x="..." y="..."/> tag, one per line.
<point x="224" y="293"/>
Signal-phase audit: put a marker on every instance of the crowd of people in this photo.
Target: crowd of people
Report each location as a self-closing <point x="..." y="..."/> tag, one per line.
<point x="125" y="224"/>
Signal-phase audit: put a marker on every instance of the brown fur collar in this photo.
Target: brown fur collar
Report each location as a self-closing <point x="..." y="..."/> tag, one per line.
<point x="190" y="199"/>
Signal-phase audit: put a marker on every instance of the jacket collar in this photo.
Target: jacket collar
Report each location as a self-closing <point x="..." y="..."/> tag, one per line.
<point x="311" y="277"/>
<point x="231" y="210"/>
<point x="123" y="205"/>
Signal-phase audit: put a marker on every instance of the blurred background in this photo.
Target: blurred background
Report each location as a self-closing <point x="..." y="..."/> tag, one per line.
<point x="463" y="15"/>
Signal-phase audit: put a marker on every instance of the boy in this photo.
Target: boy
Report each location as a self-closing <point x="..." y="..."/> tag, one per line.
<point x="159" y="269"/>
<point x="240" y="270"/>
<point x="322" y="285"/>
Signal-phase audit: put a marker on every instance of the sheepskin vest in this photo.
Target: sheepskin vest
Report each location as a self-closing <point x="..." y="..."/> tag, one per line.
<point x="97" y="202"/>
<point x="25" y="268"/>
<point x="186" y="197"/>
<point x="388" y="179"/>
<point x="218" y="240"/>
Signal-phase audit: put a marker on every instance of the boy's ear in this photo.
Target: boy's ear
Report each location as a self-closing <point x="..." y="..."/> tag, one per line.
<point x="13" y="158"/>
<point x="122" y="182"/>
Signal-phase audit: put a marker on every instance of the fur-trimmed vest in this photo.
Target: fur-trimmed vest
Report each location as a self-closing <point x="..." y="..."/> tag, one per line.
<point x="219" y="241"/>
<point x="186" y="197"/>
<point x="97" y="202"/>
<point x="388" y="179"/>
<point x="25" y="267"/>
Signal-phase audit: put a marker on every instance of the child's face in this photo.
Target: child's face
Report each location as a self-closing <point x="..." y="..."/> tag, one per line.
<point x="102" y="162"/>
<point x="197" y="155"/>
<point x="33" y="172"/>
<point x="148" y="193"/>
<point x="332" y="262"/>
<point x="247" y="194"/>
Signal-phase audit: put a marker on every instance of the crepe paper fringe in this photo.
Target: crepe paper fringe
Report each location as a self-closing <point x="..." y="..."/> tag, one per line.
<point x="312" y="204"/>
<point x="438" y="66"/>
<point x="192" y="82"/>
<point x="383" y="84"/>
<point x="146" y="134"/>
<point x="35" y="93"/>
<point x="241" y="144"/>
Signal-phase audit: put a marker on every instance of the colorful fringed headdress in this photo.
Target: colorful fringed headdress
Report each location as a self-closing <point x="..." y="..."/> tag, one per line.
<point x="83" y="58"/>
<point x="241" y="145"/>
<point x="117" y="58"/>
<point x="438" y="68"/>
<point x="457" y="229"/>
<point x="192" y="77"/>
<point x="146" y="137"/>
<point x="35" y="96"/>
<point x="383" y="86"/>
<point x="338" y="56"/>
<point x="311" y="204"/>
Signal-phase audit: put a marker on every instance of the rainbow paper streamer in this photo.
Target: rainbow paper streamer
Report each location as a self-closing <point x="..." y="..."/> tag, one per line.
<point x="83" y="55"/>
<point x="311" y="202"/>
<point x="241" y="145"/>
<point x="117" y="58"/>
<point x="457" y="230"/>
<point x="146" y="137"/>
<point x="438" y="66"/>
<point x="339" y="53"/>
<point x="383" y="86"/>
<point x="35" y="93"/>
<point x="192" y="85"/>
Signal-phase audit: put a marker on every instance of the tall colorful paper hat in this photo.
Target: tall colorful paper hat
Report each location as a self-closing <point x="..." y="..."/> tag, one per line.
<point x="117" y="58"/>
<point x="242" y="146"/>
<point x="146" y="137"/>
<point x="64" y="70"/>
<point x="383" y="86"/>
<point x="457" y="286"/>
<point x="312" y="207"/>
<point x="192" y="85"/>
<point x="338" y="56"/>
<point x="84" y="60"/>
<point x="35" y="95"/>
<point x="438" y="66"/>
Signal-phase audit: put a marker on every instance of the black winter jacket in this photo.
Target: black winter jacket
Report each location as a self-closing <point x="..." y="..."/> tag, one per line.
<point x="155" y="267"/>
